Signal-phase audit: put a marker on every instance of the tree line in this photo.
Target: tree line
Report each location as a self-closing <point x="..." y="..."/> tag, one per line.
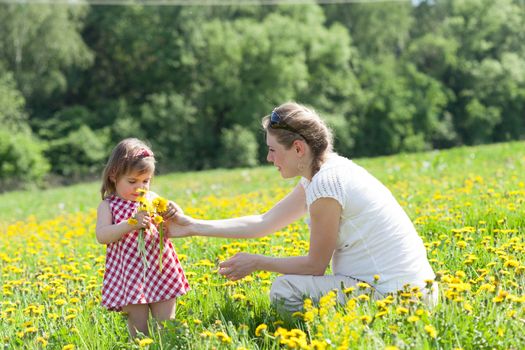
<point x="194" y="81"/>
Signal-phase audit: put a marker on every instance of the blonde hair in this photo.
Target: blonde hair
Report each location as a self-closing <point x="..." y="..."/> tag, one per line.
<point x="128" y="155"/>
<point x="307" y="125"/>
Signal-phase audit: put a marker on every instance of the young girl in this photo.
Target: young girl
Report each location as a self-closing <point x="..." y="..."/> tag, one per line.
<point x="131" y="285"/>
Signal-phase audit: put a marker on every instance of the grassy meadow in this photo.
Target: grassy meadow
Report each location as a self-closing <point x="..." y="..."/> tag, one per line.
<point x="467" y="204"/>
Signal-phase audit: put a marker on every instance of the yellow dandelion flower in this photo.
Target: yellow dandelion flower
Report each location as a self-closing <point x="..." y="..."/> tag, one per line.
<point x="363" y="297"/>
<point x="318" y="345"/>
<point x="238" y="296"/>
<point x="348" y="290"/>
<point x="145" y="342"/>
<point x="278" y="323"/>
<point x="68" y="347"/>
<point x="432" y="332"/>
<point x="365" y="319"/>
<point x="401" y="310"/>
<point x="223" y="337"/>
<point x="30" y="330"/>
<point x="309" y="316"/>
<point x="160" y="204"/>
<point x="158" y="219"/>
<point x="413" y="318"/>
<point x="260" y="329"/>
<point x="381" y="314"/>
<point x="206" y="334"/>
<point x="501" y="331"/>
<point x="363" y="285"/>
<point x="132" y="221"/>
<point x="42" y="340"/>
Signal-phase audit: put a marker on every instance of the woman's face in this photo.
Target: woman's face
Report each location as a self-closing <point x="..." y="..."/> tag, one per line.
<point x="127" y="186"/>
<point x="285" y="160"/>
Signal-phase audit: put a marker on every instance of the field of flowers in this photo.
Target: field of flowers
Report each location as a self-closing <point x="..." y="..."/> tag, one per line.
<point x="468" y="205"/>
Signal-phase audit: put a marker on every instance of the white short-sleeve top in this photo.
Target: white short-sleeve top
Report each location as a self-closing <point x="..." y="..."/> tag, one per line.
<point x="376" y="236"/>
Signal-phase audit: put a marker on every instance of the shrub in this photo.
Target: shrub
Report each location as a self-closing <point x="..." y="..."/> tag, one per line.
<point x="21" y="160"/>
<point x="79" y="154"/>
<point x="238" y="148"/>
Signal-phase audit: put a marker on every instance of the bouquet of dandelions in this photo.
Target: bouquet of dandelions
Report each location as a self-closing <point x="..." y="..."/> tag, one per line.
<point x="154" y="208"/>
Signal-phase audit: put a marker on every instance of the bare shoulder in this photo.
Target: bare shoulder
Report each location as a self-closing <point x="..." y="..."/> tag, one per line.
<point x="103" y="207"/>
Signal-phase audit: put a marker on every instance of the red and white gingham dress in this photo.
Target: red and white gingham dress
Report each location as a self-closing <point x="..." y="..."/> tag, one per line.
<point x="124" y="281"/>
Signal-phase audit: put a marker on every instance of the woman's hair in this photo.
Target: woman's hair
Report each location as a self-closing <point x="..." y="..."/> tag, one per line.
<point x="297" y="122"/>
<point x="129" y="155"/>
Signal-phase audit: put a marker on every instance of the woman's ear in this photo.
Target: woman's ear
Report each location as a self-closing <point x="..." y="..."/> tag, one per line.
<point x="299" y="147"/>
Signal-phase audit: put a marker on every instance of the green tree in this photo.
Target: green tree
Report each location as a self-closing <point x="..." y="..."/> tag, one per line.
<point x="376" y="28"/>
<point x="12" y="113"/>
<point x="478" y="56"/>
<point x="21" y="154"/>
<point x="173" y="128"/>
<point x="39" y="43"/>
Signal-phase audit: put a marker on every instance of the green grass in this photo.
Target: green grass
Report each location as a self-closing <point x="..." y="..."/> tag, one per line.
<point x="467" y="204"/>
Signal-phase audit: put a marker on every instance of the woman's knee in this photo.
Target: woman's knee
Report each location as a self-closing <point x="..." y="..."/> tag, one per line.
<point x="281" y="289"/>
<point x="286" y="293"/>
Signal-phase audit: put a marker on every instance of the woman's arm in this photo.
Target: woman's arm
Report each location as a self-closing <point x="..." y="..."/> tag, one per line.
<point x="325" y="215"/>
<point x="107" y="232"/>
<point x="286" y="211"/>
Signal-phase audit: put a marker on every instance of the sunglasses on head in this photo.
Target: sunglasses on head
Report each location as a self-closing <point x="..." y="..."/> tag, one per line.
<point x="277" y="123"/>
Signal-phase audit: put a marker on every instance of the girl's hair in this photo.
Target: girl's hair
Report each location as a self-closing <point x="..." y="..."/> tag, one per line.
<point x="292" y="121"/>
<point x="130" y="155"/>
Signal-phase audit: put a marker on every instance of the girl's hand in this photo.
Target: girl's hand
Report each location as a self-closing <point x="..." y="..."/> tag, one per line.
<point x="180" y="225"/>
<point x="143" y="220"/>
<point x="238" y="266"/>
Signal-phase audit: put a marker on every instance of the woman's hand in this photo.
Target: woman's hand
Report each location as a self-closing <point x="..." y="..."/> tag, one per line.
<point x="180" y="225"/>
<point x="238" y="266"/>
<point x="173" y="209"/>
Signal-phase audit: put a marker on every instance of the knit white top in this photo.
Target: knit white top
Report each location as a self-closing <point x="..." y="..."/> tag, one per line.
<point x="376" y="237"/>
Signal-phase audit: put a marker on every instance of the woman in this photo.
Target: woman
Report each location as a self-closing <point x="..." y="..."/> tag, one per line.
<point x="354" y="221"/>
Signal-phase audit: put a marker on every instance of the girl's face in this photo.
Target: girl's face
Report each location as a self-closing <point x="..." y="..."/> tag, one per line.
<point x="127" y="186"/>
<point x="286" y="160"/>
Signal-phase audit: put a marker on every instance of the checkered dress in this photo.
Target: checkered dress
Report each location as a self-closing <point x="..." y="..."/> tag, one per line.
<point x="124" y="281"/>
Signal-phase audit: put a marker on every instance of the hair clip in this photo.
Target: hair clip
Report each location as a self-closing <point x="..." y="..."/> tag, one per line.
<point x="144" y="153"/>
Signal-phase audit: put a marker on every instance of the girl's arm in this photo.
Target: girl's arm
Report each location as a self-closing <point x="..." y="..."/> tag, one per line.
<point x="325" y="215"/>
<point x="107" y="232"/>
<point x="286" y="211"/>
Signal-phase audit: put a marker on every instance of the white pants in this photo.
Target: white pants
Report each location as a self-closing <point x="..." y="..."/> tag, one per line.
<point x="288" y="291"/>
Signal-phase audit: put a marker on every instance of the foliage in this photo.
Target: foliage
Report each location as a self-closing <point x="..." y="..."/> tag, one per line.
<point x="389" y="77"/>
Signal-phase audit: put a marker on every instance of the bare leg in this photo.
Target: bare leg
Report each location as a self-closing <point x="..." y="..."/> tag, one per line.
<point x="164" y="310"/>
<point x="137" y="318"/>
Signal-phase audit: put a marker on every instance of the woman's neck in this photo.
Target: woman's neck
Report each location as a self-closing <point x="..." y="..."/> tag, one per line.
<point x="309" y="172"/>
